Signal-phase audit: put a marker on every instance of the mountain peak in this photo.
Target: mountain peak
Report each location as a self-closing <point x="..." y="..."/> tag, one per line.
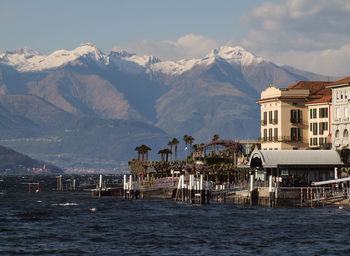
<point x="235" y="54"/>
<point x="26" y="52"/>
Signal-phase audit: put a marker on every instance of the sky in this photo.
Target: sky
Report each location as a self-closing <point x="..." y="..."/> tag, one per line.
<point x="312" y="35"/>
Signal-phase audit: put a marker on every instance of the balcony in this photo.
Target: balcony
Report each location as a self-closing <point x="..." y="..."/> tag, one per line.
<point x="281" y="139"/>
<point x="263" y="122"/>
<point x="275" y="121"/>
<point x="295" y="121"/>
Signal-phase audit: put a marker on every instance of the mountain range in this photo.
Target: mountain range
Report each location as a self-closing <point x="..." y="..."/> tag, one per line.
<point x="84" y="108"/>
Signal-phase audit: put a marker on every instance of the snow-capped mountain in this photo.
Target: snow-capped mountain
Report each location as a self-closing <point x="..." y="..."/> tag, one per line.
<point x="29" y="60"/>
<point x="199" y="97"/>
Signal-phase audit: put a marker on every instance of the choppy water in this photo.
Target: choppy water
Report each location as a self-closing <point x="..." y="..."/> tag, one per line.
<point x="73" y="223"/>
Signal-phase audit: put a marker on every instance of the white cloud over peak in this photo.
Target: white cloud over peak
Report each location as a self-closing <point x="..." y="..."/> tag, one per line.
<point x="310" y="34"/>
<point x="187" y="46"/>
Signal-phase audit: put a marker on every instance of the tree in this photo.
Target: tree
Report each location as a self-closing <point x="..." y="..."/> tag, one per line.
<point x="142" y="150"/>
<point x="175" y="143"/>
<point x="161" y="152"/>
<point x="216" y="137"/>
<point x="170" y="144"/>
<point x="190" y="140"/>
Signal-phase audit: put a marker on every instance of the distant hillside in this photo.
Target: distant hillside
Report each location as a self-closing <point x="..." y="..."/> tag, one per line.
<point x="12" y="162"/>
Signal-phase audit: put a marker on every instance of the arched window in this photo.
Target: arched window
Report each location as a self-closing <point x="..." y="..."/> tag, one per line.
<point x="341" y="95"/>
<point x="346" y="133"/>
<point x="337" y="133"/>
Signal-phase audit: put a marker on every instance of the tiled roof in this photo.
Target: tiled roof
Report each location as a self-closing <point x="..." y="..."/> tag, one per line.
<point x="324" y="99"/>
<point x="313" y="86"/>
<point x="345" y="80"/>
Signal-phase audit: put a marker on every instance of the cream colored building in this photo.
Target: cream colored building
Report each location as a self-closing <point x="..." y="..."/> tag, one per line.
<point x="341" y="115"/>
<point x="284" y="115"/>
<point x="320" y="130"/>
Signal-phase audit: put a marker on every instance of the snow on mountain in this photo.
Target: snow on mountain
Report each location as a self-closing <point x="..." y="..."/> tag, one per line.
<point x="26" y="59"/>
<point x="233" y="55"/>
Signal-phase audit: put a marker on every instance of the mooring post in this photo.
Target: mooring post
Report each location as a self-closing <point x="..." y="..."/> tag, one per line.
<point x="130" y="186"/>
<point x="100" y="186"/>
<point x="301" y="197"/>
<point x="124" y="186"/>
<point x="251" y="188"/>
<point x="323" y="196"/>
<point x="201" y="190"/>
<point x="311" y="195"/>
<point x="271" y="192"/>
<point x="183" y="188"/>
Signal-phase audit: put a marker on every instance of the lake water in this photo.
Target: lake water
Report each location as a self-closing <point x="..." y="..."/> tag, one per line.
<point x="73" y="223"/>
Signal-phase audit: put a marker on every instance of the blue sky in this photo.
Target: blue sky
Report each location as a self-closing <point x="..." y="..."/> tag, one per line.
<point x="309" y="34"/>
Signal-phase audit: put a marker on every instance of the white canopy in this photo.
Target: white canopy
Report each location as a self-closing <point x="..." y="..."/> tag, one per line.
<point x="275" y="158"/>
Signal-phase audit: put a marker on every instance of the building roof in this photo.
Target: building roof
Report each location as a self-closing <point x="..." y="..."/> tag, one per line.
<point x="275" y="158"/>
<point x="343" y="81"/>
<point x="325" y="99"/>
<point x="315" y="87"/>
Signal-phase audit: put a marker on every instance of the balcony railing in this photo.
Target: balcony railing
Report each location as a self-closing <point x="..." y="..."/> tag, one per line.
<point x="281" y="139"/>
<point x="275" y="121"/>
<point x="263" y="122"/>
<point x="295" y="120"/>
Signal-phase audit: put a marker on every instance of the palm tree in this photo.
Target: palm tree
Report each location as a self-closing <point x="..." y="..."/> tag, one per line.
<point x="190" y="140"/>
<point x="216" y="137"/>
<point x="145" y="150"/>
<point x="170" y="144"/>
<point x="161" y="152"/>
<point x="167" y="152"/>
<point x="175" y="143"/>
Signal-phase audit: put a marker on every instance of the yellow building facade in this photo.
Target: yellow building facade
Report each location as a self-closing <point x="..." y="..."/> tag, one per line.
<point x="284" y="122"/>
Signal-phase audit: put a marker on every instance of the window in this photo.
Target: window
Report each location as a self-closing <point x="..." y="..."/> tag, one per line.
<point x="337" y="112"/>
<point x="310" y="141"/>
<point x="295" y="134"/>
<point x="276" y="116"/>
<point x="270" y="134"/>
<point x="323" y="112"/>
<point x="337" y="133"/>
<point x="264" y="121"/>
<point x="346" y="133"/>
<point x="265" y="135"/>
<point x="314" y="113"/>
<point x="295" y="116"/>
<point x="314" y="128"/>
<point x="270" y="117"/>
<point x="314" y="141"/>
<point x="310" y="113"/>
<point x="326" y="126"/>
<point x="275" y="134"/>
<point x="310" y="127"/>
<point x="320" y="140"/>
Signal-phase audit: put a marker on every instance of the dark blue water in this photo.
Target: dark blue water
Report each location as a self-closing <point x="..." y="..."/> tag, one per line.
<point x="62" y="223"/>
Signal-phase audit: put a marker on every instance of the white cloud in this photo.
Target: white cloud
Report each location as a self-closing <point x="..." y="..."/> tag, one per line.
<point x="334" y="62"/>
<point x="187" y="46"/>
<point x="309" y="34"/>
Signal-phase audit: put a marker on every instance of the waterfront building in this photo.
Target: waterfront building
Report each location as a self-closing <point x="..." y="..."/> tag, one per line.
<point x="320" y="113"/>
<point x="296" y="167"/>
<point x="340" y="117"/>
<point x="284" y="114"/>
